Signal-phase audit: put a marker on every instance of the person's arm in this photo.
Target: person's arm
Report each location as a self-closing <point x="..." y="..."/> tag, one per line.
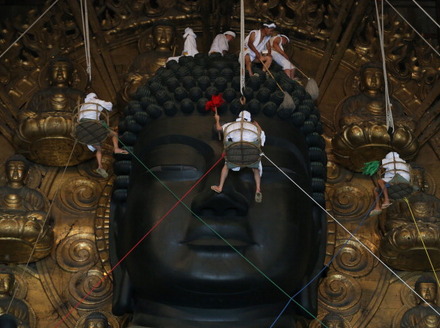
<point x="251" y="45"/>
<point x="269" y="49"/>
<point x="277" y="48"/>
<point x="218" y="127"/>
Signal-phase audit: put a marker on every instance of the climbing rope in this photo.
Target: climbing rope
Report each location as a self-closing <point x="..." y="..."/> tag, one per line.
<point x="86" y="33"/>
<point x="242" y="63"/>
<point x="351" y="234"/>
<point x="423" y="242"/>
<point x="388" y="106"/>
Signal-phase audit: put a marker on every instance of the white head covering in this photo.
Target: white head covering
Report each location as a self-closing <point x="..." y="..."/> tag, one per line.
<point x="189" y="31"/>
<point x="91" y="96"/>
<point x="230" y="33"/>
<point x="244" y="115"/>
<point x="270" y="25"/>
<point x="392" y="155"/>
<point x="285" y="36"/>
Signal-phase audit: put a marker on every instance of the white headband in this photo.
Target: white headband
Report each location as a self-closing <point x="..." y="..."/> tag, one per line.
<point x="285" y="36"/>
<point x="230" y="33"/>
<point x="271" y="25"/>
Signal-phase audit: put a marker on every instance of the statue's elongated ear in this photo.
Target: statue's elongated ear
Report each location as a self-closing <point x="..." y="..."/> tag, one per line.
<point x="122" y="300"/>
<point x="308" y="298"/>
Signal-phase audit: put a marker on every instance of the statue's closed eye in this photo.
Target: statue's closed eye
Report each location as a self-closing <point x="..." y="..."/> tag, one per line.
<point x="176" y="172"/>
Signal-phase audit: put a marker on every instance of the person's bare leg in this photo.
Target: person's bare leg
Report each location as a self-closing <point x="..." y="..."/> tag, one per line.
<point x="386" y="198"/>
<point x="248" y="64"/>
<point x="257" y="178"/>
<point x="99" y="156"/>
<point x="290" y="73"/>
<point x="267" y="61"/>
<point x="116" y="148"/>
<point x="223" y="176"/>
<point x="377" y="198"/>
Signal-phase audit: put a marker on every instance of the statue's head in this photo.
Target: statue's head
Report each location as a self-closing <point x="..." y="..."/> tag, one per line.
<point x="333" y="320"/>
<point x="16" y="168"/>
<point x="6" y="282"/>
<point x="96" y="320"/>
<point x="184" y="262"/>
<point x="371" y="78"/>
<point x="61" y="71"/>
<point x="426" y="287"/>
<point x="163" y="34"/>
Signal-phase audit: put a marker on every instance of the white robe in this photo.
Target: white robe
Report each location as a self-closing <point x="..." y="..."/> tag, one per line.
<point x="260" y="46"/>
<point x="219" y="44"/>
<point x="278" y="58"/>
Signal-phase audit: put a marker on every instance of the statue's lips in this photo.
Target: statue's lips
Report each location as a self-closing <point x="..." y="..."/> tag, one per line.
<point x="202" y="237"/>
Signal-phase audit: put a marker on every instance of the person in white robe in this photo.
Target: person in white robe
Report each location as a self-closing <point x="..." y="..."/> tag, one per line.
<point x="189" y="46"/>
<point x="257" y="47"/>
<point x="280" y="57"/>
<point x="220" y="43"/>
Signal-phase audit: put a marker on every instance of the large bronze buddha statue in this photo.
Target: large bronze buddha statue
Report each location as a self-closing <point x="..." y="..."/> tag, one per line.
<point x="183" y="274"/>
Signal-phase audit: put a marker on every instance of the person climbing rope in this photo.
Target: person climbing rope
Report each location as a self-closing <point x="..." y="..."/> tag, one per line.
<point x="243" y="129"/>
<point x="392" y="165"/>
<point x="91" y="110"/>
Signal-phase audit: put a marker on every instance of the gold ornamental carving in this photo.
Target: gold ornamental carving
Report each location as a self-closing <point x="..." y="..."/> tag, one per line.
<point x="353" y="259"/>
<point x="89" y="289"/>
<point x="349" y="200"/>
<point x="79" y="194"/>
<point x="340" y="292"/>
<point x="76" y="253"/>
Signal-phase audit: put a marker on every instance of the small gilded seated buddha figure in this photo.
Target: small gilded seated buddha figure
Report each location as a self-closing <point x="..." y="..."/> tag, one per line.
<point x="408" y="228"/>
<point x="362" y="126"/>
<point x="17" y="311"/>
<point x="23" y="213"/>
<point x="45" y="124"/>
<point x="425" y="313"/>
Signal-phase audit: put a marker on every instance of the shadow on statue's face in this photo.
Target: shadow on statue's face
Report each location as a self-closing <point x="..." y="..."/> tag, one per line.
<point x="182" y="261"/>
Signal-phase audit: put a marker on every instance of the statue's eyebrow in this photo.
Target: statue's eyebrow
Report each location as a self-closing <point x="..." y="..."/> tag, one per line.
<point x="202" y="147"/>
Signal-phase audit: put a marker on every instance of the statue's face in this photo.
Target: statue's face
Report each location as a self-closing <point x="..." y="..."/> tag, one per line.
<point x="182" y="261"/>
<point x="60" y="73"/>
<point x="428" y="291"/>
<point x="16" y="171"/>
<point x="5" y="283"/>
<point x="95" y="323"/>
<point x="372" y="79"/>
<point x="163" y="35"/>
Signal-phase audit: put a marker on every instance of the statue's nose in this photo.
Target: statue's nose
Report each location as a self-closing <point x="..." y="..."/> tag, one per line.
<point x="229" y="202"/>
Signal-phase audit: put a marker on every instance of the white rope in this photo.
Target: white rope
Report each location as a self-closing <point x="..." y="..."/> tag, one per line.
<point x="353" y="236"/>
<point x="388" y="106"/>
<point x="420" y="35"/>
<point x="242" y="64"/>
<point x="30" y="26"/>
<point x="426" y="13"/>
<point x="86" y="32"/>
